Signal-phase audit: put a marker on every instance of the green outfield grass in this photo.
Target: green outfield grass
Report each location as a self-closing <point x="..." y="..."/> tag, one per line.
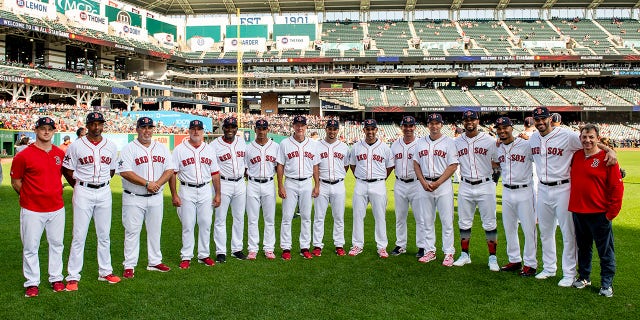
<point x="329" y="287"/>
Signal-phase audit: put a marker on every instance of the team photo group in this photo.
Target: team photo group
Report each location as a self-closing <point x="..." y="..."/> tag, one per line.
<point x="550" y="175"/>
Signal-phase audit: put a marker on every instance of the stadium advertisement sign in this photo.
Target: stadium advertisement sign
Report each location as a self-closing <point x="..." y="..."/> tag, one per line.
<point x="63" y="6"/>
<point x="292" y="42"/>
<point x="171" y="118"/>
<point x="200" y="43"/>
<point x="128" y="31"/>
<point x="246" y="44"/>
<point x="31" y="7"/>
<point x="499" y="109"/>
<point x="166" y="39"/>
<point x="88" y="20"/>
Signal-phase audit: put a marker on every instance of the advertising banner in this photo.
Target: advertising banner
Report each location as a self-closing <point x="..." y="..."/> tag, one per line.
<point x="200" y="43"/>
<point x="165" y="39"/>
<point x="32" y="8"/>
<point x="248" y="44"/>
<point x="88" y="20"/>
<point x="127" y="31"/>
<point x="171" y="118"/>
<point x="292" y="42"/>
<point x="90" y="6"/>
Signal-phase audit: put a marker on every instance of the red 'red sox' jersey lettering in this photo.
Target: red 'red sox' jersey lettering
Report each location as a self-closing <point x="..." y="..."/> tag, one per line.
<point x="535" y="150"/>
<point x="378" y="158"/>
<point x="207" y="161"/>
<point x="188" y="161"/>
<point x="294" y="154"/>
<point x="105" y="160"/>
<point x="158" y="159"/>
<point x="225" y="157"/>
<point x="440" y="153"/>
<point x="309" y="155"/>
<point x="141" y="160"/>
<point x="240" y="154"/>
<point x="361" y="157"/>
<point x="555" y="151"/>
<point x="463" y="152"/>
<point x="481" y="151"/>
<point x="86" y="160"/>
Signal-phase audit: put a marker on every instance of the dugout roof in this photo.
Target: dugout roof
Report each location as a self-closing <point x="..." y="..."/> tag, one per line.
<point x="198" y="7"/>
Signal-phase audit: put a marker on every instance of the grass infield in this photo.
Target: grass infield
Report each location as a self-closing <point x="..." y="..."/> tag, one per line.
<point x="328" y="287"/>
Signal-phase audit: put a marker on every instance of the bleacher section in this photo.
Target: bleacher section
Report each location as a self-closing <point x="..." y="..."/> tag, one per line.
<point x="489" y="34"/>
<point x="457" y="97"/>
<point x="391" y="37"/>
<point x="370" y="98"/>
<point x="399" y="97"/>
<point x="341" y="32"/>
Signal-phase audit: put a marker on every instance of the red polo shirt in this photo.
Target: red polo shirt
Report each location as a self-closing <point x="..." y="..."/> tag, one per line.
<point x="595" y="187"/>
<point x="41" y="174"/>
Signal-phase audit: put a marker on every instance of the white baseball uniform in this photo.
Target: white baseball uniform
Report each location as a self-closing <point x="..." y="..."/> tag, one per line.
<point x="516" y="166"/>
<point x="371" y="163"/>
<point x="195" y="167"/>
<point x="234" y="192"/>
<point x="552" y="155"/>
<point x="91" y="164"/>
<point x="261" y="193"/>
<point x="434" y="157"/>
<point x="139" y="206"/>
<point x="334" y="159"/>
<point x="298" y="159"/>
<point x="476" y="187"/>
<point x="405" y="192"/>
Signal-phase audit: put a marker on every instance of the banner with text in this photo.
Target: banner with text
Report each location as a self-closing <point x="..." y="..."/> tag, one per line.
<point x="165" y="39"/>
<point x="297" y="19"/>
<point x="171" y="118"/>
<point x="88" y="20"/>
<point x="63" y="6"/>
<point x="128" y="31"/>
<point x="248" y="44"/>
<point x="33" y="8"/>
<point x="292" y="42"/>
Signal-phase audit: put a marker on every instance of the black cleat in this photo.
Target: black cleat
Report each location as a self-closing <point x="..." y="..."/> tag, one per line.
<point x="420" y="253"/>
<point x="221" y="258"/>
<point x="239" y="255"/>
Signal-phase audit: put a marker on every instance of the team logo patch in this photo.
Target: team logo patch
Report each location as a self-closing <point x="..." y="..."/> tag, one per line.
<point x="58" y="160"/>
<point x="595" y="163"/>
<point x="468" y="114"/>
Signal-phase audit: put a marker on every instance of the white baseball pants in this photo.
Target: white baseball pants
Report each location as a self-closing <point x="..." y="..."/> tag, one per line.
<point x="32" y="224"/>
<point x="517" y="204"/>
<point x="376" y="193"/>
<point x="298" y="193"/>
<point x="196" y="208"/>
<point x="405" y="194"/>
<point x="137" y="210"/>
<point x="234" y="194"/>
<point x="261" y="195"/>
<point x="553" y="203"/>
<point x="441" y="200"/>
<point x="335" y="195"/>
<point x="483" y="196"/>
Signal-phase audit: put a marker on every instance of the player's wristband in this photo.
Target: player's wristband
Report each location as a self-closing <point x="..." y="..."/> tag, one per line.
<point x="147" y="185"/>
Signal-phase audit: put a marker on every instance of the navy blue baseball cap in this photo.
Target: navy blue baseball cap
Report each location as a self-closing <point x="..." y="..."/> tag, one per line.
<point x="541" y="113"/>
<point x="196" y="124"/>
<point x="435" y="117"/>
<point x="528" y="121"/>
<point x="262" y="124"/>
<point x="556" y="117"/>
<point x="370" y="123"/>
<point x="408" y="121"/>
<point x="145" y="122"/>
<point x="94" y="117"/>
<point x="46" y="121"/>
<point x="504" y="121"/>
<point x="300" y="119"/>
<point x="230" y="122"/>
<point x="333" y="124"/>
<point x="470" y="114"/>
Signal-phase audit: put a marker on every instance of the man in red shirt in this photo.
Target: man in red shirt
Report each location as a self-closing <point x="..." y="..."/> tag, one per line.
<point x="36" y="174"/>
<point x="596" y="198"/>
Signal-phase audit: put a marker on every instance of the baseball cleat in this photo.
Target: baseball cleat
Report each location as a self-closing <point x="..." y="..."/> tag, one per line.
<point x="317" y="251"/>
<point x="72" y="285"/>
<point x="355" y="250"/>
<point x="462" y="260"/>
<point x="607" y="292"/>
<point x="566" y="282"/>
<point x="207" y="262"/>
<point x="545" y="274"/>
<point x="286" y="255"/>
<point x="428" y="257"/>
<point x="493" y="263"/>
<point x="270" y="255"/>
<point x="527" y="272"/>
<point x="581" y="283"/>
<point x="57" y="286"/>
<point x="161" y="267"/>
<point x="221" y="258"/>
<point x="185" y="264"/>
<point x="306" y="254"/>
<point x="128" y="274"/>
<point x="448" y="260"/>
<point x="420" y="253"/>
<point x="340" y="251"/>
<point x="382" y="253"/>
<point x="252" y="255"/>
<point x="398" y="250"/>
<point x="239" y="255"/>
<point x="512" y="266"/>
<point x="31" y="292"/>
<point x="110" y="278"/>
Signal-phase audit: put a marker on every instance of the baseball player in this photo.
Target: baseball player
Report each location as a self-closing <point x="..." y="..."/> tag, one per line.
<point x="556" y="120"/>
<point x="298" y="161"/>
<point x="36" y="174"/>
<point x="334" y="163"/>
<point x="405" y="188"/>
<point x="196" y="167"/>
<point x="145" y="165"/>
<point x="435" y="161"/>
<point x="260" y="160"/>
<point x="371" y="161"/>
<point x="476" y="154"/>
<point x="552" y="150"/>
<point x="515" y="160"/>
<point x="230" y="153"/>
<point x="88" y="166"/>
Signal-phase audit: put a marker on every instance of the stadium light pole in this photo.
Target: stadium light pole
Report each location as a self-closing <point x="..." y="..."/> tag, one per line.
<point x="240" y="73"/>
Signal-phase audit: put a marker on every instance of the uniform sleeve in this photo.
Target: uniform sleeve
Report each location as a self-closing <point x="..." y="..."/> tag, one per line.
<point x="352" y="155"/>
<point x="70" y="158"/>
<point x="212" y="155"/>
<point x="452" y="153"/>
<point x="169" y="164"/>
<point x="114" y="155"/>
<point x="316" y="153"/>
<point x="615" y="191"/>
<point x="175" y="157"/>
<point x="280" y="158"/>
<point x="18" y="166"/>
<point x="347" y="155"/>
<point x="125" y="161"/>
<point x="573" y="141"/>
<point x="390" y="160"/>
<point x="493" y="149"/>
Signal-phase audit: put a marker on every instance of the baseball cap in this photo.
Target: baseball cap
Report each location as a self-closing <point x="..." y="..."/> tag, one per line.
<point x="528" y="121"/>
<point x="230" y="122"/>
<point x="46" y="121"/>
<point x="555" y="117"/>
<point x="459" y="130"/>
<point x="470" y="114"/>
<point x="196" y="124"/>
<point x="300" y="119"/>
<point x="541" y="113"/>
<point x="66" y="138"/>
<point x="262" y="124"/>
<point x="504" y="121"/>
<point x="94" y="117"/>
<point x="408" y="121"/>
<point x="333" y="124"/>
<point x="370" y="123"/>
<point x="435" y="117"/>
<point x="145" y="122"/>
